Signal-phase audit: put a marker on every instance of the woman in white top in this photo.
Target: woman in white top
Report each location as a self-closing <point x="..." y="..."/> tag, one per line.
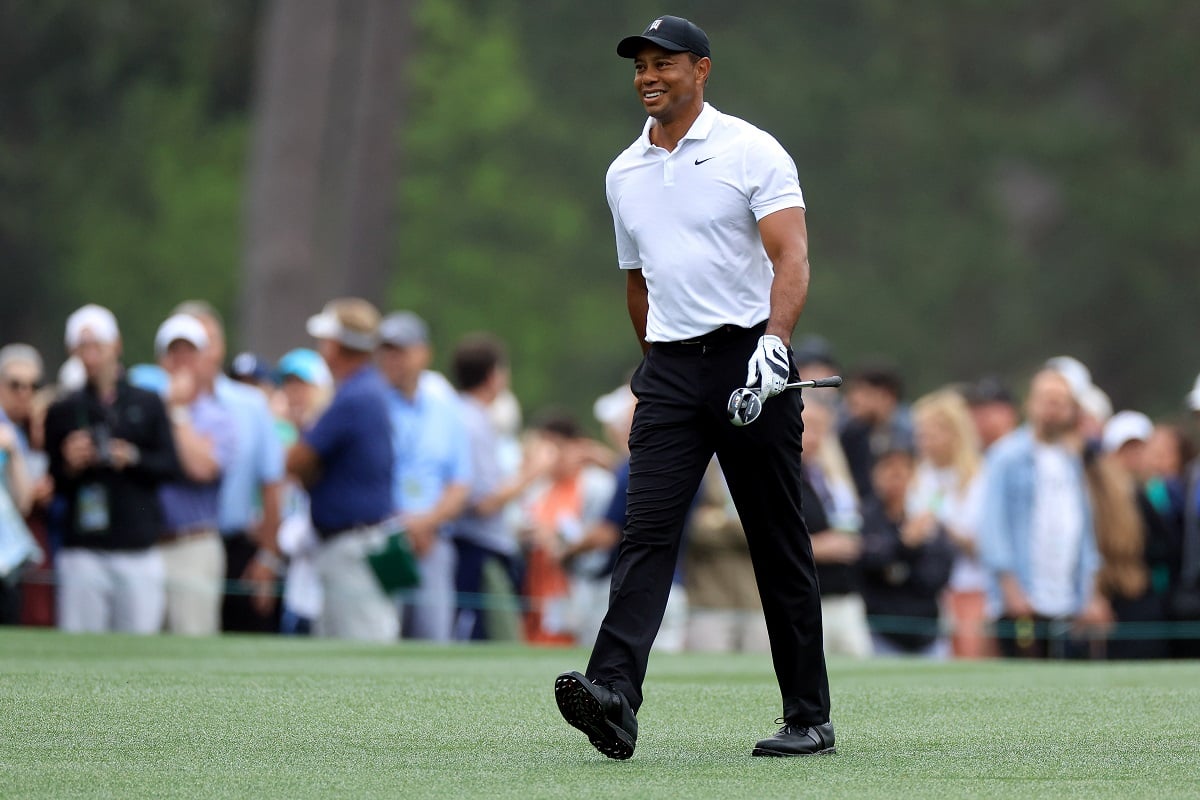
<point x="947" y="487"/>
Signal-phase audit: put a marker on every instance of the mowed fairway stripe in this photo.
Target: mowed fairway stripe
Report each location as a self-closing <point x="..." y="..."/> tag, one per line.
<point x="116" y="716"/>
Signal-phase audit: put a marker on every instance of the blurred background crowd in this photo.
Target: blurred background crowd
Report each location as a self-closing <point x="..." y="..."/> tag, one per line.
<point x="205" y="492"/>
<point x="989" y="184"/>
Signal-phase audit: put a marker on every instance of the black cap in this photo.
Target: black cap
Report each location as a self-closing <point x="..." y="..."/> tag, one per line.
<point x="989" y="389"/>
<point x="670" y="33"/>
<point x="250" y="367"/>
<point x="813" y="349"/>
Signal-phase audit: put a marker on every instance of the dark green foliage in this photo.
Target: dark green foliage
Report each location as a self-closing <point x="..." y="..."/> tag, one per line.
<point x="988" y="184"/>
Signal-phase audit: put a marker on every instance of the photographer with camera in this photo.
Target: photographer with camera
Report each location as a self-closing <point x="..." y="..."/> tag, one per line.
<point x="110" y="446"/>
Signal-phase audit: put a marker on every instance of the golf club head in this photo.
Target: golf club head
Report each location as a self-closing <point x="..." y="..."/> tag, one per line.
<point x="744" y="407"/>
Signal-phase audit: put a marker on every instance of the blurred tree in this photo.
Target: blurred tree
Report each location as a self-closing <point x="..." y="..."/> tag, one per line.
<point x="988" y="184"/>
<point x="496" y="232"/>
<point x="322" y="172"/>
<point x="121" y="141"/>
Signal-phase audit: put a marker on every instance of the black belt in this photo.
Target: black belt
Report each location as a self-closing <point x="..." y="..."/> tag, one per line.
<point x="722" y="334"/>
<point x="328" y="533"/>
<point x="182" y="534"/>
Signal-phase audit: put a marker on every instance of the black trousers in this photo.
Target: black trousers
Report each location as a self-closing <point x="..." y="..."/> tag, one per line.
<point x="238" y="613"/>
<point x="679" y="422"/>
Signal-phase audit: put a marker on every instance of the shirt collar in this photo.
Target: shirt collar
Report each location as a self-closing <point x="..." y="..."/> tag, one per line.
<point x="417" y="401"/>
<point x="363" y="373"/>
<point x="700" y="129"/>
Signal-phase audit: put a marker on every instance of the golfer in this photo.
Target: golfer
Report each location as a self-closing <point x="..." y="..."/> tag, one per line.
<point x="710" y="230"/>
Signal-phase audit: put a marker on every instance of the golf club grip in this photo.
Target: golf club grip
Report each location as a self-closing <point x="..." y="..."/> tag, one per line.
<point x="832" y="382"/>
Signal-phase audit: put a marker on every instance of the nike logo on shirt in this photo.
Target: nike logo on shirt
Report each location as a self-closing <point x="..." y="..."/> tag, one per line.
<point x="700" y="161"/>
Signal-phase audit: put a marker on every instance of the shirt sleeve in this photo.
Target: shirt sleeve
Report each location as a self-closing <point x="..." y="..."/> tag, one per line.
<point x="995" y="550"/>
<point x="270" y="466"/>
<point x="628" y="256"/>
<point x="770" y="177"/>
<point x="56" y="433"/>
<point x="330" y="430"/>
<point x="224" y="437"/>
<point x="159" y="459"/>
<point x="461" y="468"/>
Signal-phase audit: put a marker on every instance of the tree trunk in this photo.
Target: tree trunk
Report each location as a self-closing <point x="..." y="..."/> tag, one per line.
<point x="323" y="162"/>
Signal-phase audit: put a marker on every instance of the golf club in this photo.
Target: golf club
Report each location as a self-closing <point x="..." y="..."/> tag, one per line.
<point x="745" y="405"/>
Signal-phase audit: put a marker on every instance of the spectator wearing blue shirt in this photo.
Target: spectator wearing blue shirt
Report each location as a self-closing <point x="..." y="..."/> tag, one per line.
<point x="432" y="470"/>
<point x="204" y="440"/>
<point x="1037" y="538"/>
<point x="251" y="486"/>
<point x="345" y="462"/>
<point x="483" y="534"/>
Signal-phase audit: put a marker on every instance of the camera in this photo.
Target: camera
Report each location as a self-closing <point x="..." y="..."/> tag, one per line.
<point x="102" y="439"/>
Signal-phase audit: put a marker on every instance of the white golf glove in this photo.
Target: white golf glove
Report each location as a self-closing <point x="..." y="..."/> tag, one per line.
<point x="769" y="367"/>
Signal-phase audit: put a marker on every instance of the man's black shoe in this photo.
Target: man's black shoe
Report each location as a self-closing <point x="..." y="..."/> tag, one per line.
<point x="602" y="713"/>
<point x="798" y="740"/>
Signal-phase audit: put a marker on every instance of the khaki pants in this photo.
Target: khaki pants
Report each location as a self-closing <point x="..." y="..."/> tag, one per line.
<point x="844" y="622"/>
<point x="720" y="630"/>
<point x="355" y="606"/>
<point x="195" y="575"/>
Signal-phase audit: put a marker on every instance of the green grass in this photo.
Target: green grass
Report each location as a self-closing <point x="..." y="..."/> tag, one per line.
<point x="114" y="716"/>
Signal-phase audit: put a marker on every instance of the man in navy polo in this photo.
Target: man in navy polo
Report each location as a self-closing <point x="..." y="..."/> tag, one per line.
<point x="345" y="462"/>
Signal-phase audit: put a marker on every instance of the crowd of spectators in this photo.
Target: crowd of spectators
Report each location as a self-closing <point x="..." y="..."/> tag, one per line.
<point x="204" y="493"/>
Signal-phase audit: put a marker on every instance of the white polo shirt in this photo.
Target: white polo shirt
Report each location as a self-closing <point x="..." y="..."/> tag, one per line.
<point x="689" y="220"/>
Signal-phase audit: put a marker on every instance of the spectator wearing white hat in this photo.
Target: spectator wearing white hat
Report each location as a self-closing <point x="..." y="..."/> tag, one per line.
<point x="1125" y="437"/>
<point x="345" y="461"/>
<point x="1135" y="541"/>
<point x="205" y="440"/>
<point x="1193" y="397"/>
<point x="1094" y="404"/>
<point x="1036" y="535"/>
<point x="251" y="484"/>
<point x="110" y="446"/>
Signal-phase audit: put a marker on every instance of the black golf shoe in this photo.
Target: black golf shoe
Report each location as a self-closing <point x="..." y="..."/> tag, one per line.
<point x="602" y="713"/>
<point x="798" y="740"/>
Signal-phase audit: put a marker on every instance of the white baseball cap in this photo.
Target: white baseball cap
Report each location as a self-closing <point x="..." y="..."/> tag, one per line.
<point x="1076" y="374"/>
<point x="72" y="374"/>
<point x="613" y="409"/>
<point x="93" y="323"/>
<point x="1126" y="426"/>
<point x="1096" y="403"/>
<point x="180" y="327"/>
<point x="1193" y="398"/>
